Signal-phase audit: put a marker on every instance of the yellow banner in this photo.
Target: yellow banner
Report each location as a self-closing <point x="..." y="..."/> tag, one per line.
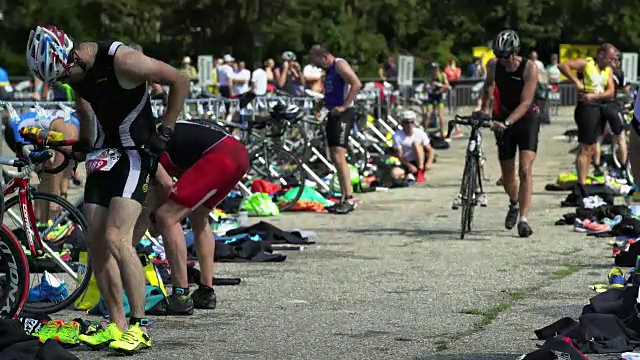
<point x="571" y="51"/>
<point x="483" y="52"/>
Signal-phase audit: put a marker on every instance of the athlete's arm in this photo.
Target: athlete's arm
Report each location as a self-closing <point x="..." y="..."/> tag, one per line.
<point x="574" y="64"/>
<point x="610" y="91"/>
<point x="530" y="78"/>
<point x="445" y="80"/>
<point x="139" y="67"/>
<point x="489" y="83"/>
<point x="346" y="72"/>
<point x="84" y="113"/>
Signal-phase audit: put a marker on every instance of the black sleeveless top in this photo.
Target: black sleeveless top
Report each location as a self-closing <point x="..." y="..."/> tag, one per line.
<point x="124" y="116"/>
<point x="510" y="85"/>
<point x="191" y="140"/>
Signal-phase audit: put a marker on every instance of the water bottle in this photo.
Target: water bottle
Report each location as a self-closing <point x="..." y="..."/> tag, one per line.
<point x="243" y="219"/>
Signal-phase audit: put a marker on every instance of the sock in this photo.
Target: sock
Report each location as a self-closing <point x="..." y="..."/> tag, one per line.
<point x="181" y="291"/>
<point x="513" y="203"/>
<point x="523" y="219"/>
<point x="140" y="321"/>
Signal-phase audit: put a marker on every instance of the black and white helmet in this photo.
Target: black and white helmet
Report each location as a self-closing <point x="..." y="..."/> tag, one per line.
<point x="506" y="42"/>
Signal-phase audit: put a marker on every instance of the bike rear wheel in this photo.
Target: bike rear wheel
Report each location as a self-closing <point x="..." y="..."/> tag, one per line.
<point x="69" y="225"/>
<point x="468" y="195"/>
<point x="14" y="275"/>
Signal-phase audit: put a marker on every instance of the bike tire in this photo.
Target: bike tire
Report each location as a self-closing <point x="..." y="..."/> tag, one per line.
<point x="468" y="195"/>
<point x="14" y="292"/>
<point x="359" y="159"/>
<point x="84" y="283"/>
<point x="292" y="159"/>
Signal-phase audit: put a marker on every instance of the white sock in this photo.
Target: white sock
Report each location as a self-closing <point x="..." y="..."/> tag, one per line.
<point x="523" y="219"/>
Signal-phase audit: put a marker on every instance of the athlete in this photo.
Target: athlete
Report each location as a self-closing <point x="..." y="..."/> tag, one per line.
<point x="436" y="85"/>
<point x="341" y="86"/>
<point x="112" y="79"/>
<point x="596" y="89"/>
<point x="208" y="169"/>
<point x="517" y="125"/>
<point x="60" y="120"/>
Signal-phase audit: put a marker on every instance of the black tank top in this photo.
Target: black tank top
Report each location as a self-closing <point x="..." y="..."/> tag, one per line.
<point x="510" y="86"/>
<point x="124" y="116"/>
<point x="189" y="141"/>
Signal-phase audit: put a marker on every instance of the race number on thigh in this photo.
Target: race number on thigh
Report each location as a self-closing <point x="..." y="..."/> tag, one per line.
<point x="101" y="160"/>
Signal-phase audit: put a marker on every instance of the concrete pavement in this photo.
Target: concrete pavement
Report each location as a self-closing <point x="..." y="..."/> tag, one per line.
<point x="393" y="281"/>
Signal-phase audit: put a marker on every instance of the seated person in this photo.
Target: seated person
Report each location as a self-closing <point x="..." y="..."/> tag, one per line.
<point x="413" y="148"/>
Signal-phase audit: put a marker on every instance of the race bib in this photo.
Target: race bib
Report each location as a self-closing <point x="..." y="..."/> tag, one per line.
<point x="101" y="160"/>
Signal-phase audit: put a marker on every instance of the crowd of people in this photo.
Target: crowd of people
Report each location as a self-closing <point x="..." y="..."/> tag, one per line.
<point x="111" y="85"/>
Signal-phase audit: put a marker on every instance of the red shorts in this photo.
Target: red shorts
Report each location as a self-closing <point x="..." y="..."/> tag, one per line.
<point x="212" y="177"/>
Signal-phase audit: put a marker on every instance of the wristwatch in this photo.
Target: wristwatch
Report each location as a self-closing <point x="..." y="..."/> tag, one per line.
<point x="165" y="131"/>
<point x="507" y="123"/>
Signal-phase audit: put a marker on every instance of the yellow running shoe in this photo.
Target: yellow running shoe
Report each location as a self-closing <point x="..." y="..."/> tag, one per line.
<point x="49" y="330"/>
<point x="132" y="341"/>
<point x="102" y="337"/>
<point x="68" y="333"/>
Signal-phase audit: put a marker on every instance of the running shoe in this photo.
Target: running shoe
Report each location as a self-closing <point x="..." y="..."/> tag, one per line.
<point x="204" y="298"/>
<point x="102" y="337"/>
<point x="616" y="278"/>
<point x="177" y="305"/>
<point x="344" y="207"/>
<point x="613" y="222"/>
<point x="132" y="341"/>
<point x="590" y="227"/>
<point x="512" y="216"/>
<point x="524" y="229"/>
<point x="68" y="333"/>
<point x="49" y="330"/>
<point x="420" y="176"/>
<point x="50" y="289"/>
<point x="482" y="200"/>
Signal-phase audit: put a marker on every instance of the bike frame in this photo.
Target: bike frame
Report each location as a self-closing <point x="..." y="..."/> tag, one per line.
<point x="474" y="150"/>
<point x="21" y="184"/>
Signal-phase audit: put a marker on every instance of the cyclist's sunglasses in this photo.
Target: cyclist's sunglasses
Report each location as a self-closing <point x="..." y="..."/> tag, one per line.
<point x="503" y="55"/>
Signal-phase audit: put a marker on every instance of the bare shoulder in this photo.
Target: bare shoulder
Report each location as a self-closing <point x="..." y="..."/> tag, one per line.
<point x="130" y="65"/>
<point x="531" y="68"/>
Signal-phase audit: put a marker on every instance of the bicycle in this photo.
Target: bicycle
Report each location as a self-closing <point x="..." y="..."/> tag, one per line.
<point x="471" y="190"/>
<point x="38" y="152"/>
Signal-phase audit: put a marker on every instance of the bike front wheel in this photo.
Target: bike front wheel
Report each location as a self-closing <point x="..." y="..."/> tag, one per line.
<point x="14" y="275"/>
<point x="469" y="181"/>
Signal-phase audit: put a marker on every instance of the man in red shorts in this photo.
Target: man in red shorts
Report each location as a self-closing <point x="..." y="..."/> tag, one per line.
<point x="209" y="164"/>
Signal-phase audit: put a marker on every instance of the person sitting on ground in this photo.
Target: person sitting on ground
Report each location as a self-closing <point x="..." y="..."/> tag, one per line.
<point x="411" y="145"/>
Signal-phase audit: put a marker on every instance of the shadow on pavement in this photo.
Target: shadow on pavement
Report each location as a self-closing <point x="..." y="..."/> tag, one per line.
<point x="469" y="357"/>
<point x="441" y="233"/>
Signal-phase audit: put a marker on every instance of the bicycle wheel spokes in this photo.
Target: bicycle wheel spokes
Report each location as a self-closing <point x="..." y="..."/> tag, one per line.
<point x="468" y="195"/>
<point x="57" y="275"/>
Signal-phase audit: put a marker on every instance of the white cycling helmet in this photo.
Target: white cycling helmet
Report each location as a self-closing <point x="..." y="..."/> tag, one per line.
<point x="409" y="115"/>
<point x="49" y="53"/>
<point x="291" y="112"/>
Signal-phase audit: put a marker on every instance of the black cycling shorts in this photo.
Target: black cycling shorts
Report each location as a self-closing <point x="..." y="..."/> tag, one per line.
<point x="592" y="118"/>
<point x="338" y="128"/>
<point x="435" y="99"/>
<point x="520" y="136"/>
<point x="129" y="179"/>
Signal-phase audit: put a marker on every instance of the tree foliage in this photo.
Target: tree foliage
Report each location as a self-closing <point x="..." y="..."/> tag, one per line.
<point x="362" y="30"/>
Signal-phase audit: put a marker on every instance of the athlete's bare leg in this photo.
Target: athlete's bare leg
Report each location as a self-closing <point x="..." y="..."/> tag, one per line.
<point x="168" y="218"/>
<point x="525" y="166"/>
<point x="115" y="262"/>
<point x="205" y="244"/>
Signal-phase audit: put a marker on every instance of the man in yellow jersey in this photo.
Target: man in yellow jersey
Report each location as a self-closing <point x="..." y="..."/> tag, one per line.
<point x="594" y="81"/>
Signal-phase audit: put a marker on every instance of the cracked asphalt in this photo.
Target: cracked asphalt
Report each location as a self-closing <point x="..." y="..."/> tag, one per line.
<point x="393" y="281"/>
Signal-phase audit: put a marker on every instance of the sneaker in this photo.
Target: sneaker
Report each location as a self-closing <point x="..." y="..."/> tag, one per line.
<point x="616" y="278"/>
<point x="590" y="227"/>
<point x="132" y="341"/>
<point x="102" y="337"/>
<point x="512" y="216"/>
<point x="457" y="202"/>
<point x="344" y="207"/>
<point x="482" y="200"/>
<point x="177" y="305"/>
<point x="420" y="176"/>
<point x="524" y="230"/>
<point x="49" y="330"/>
<point x="68" y="333"/>
<point x="204" y="298"/>
<point x="613" y="222"/>
<point x="50" y="289"/>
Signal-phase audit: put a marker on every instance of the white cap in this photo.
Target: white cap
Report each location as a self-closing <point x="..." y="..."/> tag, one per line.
<point x="228" y="58"/>
<point x="186" y="60"/>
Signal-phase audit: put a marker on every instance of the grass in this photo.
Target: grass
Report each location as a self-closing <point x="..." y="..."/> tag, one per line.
<point x="442" y="345"/>
<point x="488" y="315"/>
<point x="567" y="270"/>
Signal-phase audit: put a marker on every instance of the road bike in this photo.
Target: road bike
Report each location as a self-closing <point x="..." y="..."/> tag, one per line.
<point x="34" y="241"/>
<point x="471" y="190"/>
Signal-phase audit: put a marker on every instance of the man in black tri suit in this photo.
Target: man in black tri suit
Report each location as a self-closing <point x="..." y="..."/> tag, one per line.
<point x="112" y="80"/>
<point x="517" y="125"/>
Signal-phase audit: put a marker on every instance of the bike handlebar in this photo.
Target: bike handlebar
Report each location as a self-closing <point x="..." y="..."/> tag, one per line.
<point x="473" y="120"/>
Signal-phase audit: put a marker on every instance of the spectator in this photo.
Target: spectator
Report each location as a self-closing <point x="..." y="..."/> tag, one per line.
<point x="214" y="89"/>
<point x="4" y="84"/>
<point x="388" y="70"/>
<point x="269" y="66"/>
<point x="553" y="73"/>
<point x="259" y="80"/>
<point x="289" y="75"/>
<point x="533" y="56"/>
<point x="240" y="79"/>
<point x="225" y="74"/>
<point x="452" y="71"/>
<point x="477" y="70"/>
<point x="189" y="70"/>
<point x="411" y="145"/>
<point x="313" y="77"/>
